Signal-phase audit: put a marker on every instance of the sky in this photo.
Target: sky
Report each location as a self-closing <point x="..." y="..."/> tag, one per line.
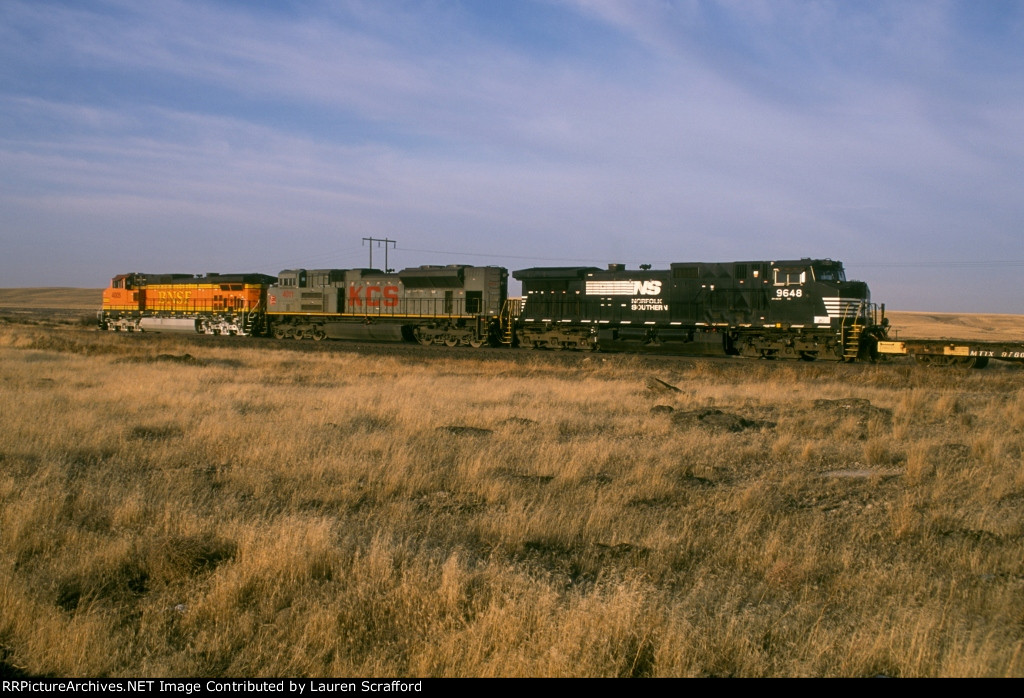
<point x="236" y="135"/>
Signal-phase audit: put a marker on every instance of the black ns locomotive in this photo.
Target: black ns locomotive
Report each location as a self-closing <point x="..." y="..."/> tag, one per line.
<point x="787" y="309"/>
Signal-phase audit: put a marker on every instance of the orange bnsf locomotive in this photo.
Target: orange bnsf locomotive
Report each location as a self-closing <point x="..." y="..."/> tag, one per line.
<point x="211" y="304"/>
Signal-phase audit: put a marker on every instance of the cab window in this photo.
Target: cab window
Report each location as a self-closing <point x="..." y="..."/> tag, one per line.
<point x="790" y="277"/>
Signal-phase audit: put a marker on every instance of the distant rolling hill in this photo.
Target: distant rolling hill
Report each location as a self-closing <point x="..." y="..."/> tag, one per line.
<point x="982" y="327"/>
<point x="64" y="298"/>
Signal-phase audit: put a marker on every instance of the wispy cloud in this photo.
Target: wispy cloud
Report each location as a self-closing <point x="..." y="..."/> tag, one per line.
<point x="140" y="134"/>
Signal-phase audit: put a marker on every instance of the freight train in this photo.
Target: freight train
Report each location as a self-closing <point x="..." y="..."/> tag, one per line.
<point x="801" y="308"/>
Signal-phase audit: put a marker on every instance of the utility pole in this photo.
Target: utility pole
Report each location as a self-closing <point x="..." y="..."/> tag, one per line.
<point x="386" y="242"/>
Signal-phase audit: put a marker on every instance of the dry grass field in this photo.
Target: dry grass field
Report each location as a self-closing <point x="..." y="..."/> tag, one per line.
<point x="988" y="327"/>
<point x="90" y="299"/>
<point x="177" y="506"/>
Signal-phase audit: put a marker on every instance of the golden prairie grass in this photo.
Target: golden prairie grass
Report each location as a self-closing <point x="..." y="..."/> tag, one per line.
<point x="88" y="299"/>
<point x="991" y="327"/>
<point x="173" y="507"/>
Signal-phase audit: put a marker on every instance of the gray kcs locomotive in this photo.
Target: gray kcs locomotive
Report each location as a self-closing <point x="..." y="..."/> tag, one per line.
<point x="453" y="305"/>
<point x="787" y="309"/>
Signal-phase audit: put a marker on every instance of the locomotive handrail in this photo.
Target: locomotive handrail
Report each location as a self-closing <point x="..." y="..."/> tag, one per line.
<point x="511" y="310"/>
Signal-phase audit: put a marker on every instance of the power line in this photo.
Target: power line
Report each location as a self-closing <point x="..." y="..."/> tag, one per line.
<point x="330" y="257"/>
<point x="981" y="264"/>
<point x="387" y="243"/>
<point x="933" y="265"/>
<point x="512" y="256"/>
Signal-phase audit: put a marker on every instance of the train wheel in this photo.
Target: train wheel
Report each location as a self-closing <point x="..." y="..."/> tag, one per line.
<point x="319" y="334"/>
<point x="450" y="341"/>
<point x="476" y="343"/>
<point x="279" y="332"/>
<point x="425" y="340"/>
<point x="298" y="334"/>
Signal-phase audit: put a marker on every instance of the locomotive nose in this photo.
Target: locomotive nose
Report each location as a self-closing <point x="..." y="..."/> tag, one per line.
<point x="855" y="289"/>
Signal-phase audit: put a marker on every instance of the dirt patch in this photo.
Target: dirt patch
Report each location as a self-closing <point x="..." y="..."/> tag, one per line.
<point x="120" y="582"/>
<point x="664" y="501"/>
<point x="185" y="556"/>
<point x="717" y="420"/>
<point x="521" y="477"/>
<point x="459" y="430"/>
<point x="857" y="408"/>
<point x="858" y="473"/>
<point x="518" y="422"/>
<point x="179" y="359"/>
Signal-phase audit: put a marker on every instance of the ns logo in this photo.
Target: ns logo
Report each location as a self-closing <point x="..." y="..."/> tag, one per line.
<point x="646" y="288"/>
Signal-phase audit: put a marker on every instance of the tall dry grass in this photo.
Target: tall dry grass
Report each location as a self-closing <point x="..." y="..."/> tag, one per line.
<point x="263" y="511"/>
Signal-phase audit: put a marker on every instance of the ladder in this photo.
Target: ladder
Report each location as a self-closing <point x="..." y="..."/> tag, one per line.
<point x="851" y="341"/>
<point x="251" y="324"/>
<point x="510" y="311"/>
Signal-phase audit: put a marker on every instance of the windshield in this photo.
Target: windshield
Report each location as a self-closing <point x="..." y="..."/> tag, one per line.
<point x="830" y="273"/>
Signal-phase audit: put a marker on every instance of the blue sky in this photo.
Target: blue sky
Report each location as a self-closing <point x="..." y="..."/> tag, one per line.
<point x="175" y="136"/>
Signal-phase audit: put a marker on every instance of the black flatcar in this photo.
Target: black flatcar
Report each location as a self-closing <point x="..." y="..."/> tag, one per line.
<point x="787" y="309"/>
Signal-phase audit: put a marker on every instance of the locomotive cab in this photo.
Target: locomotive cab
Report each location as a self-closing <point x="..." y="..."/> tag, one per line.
<point x="127" y="282"/>
<point x="122" y="296"/>
<point x="816" y="293"/>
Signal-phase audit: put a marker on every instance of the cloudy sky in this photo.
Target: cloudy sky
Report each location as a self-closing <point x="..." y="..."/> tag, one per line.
<point x="234" y="135"/>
